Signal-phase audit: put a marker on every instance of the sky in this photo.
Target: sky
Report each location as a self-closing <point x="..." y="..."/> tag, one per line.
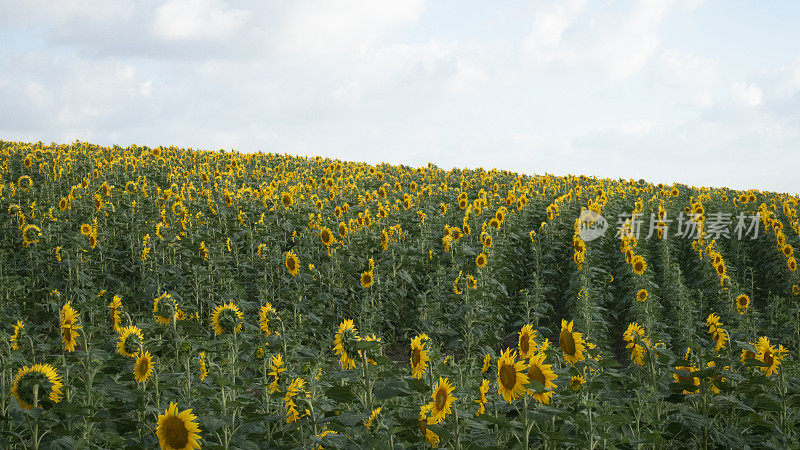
<point x="705" y="93"/>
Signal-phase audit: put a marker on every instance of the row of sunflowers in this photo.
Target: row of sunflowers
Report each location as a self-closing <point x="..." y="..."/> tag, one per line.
<point x="185" y="299"/>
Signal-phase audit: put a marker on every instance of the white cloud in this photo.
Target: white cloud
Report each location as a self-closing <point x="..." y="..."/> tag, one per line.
<point x="746" y="94"/>
<point x="197" y="19"/>
<point x="686" y="69"/>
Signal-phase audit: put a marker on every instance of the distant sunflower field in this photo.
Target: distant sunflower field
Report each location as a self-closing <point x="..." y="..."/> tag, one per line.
<point x="214" y="299"/>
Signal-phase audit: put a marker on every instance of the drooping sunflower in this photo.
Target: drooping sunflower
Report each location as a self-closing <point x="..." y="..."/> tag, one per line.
<point x="15" y="336"/>
<point x="265" y="314"/>
<point x="275" y="369"/>
<point x="638" y="264"/>
<point x="143" y="367"/>
<point x="543" y="373"/>
<point x="634" y="337"/>
<point x="480" y="260"/>
<point x="367" y="279"/>
<point x="717" y="332"/>
<point x="203" y="371"/>
<point x="292" y="263"/>
<point x="341" y="342"/>
<point x="442" y="400"/>
<point x="227" y="318"/>
<point x="482" y="400"/>
<point x="295" y="387"/>
<point x="371" y="419"/>
<point x="795" y="289"/>
<point x="641" y="295"/>
<point x="742" y="303"/>
<point x="571" y="343"/>
<point x="431" y="437"/>
<point x="164" y="309"/>
<point x="130" y="341"/>
<point x="115" y="306"/>
<point x="526" y="342"/>
<point x="30" y="234"/>
<point x="769" y="355"/>
<point x="46" y="377"/>
<point x="69" y="327"/>
<point x="511" y="376"/>
<point x="419" y="356"/>
<point x="487" y="360"/>
<point x="177" y="430"/>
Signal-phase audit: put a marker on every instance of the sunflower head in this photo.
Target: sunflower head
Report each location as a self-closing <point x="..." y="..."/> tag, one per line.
<point x="326" y="235"/>
<point x="143" y="367"/>
<point x="576" y="382"/>
<point x="49" y="386"/>
<point x="265" y="314"/>
<point x="130" y="341"/>
<point x="543" y="374"/>
<point x="292" y="263"/>
<point x="344" y="343"/>
<point x="641" y="295"/>
<point x="419" y="356"/>
<point x="367" y="279"/>
<point x="571" y="343"/>
<point x="227" y="318"/>
<point x="480" y="260"/>
<point x="527" y="345"/>
<point x="164" y="309"/>
<point x="69" y="327"/>
<point x="442" y="400"/>
<point x="177" y="430"/>
<point x="742" y="303"/>
<point x="511" y="376"/>
<point x="639" y="264"/>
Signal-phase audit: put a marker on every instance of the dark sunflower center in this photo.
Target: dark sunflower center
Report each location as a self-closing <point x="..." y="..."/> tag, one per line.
<point x="175" y="433"/>
<point x="742" y="302"/>
<point x="508" y="376"/>
<point x="290" y="264"/>
<point x="720" y="269"/>
<point x="768" y="358"/>
<point x="367" y="278"/>
<point x="749" y="355"/>
<point x="535" y="373"/>
<point x="326" y="237"/>
<point x="441" y="398"/>
<point x="638" y="266"/>
<point x="142" y="365"/>
<point x="567" y="342"/>
<point x="416" y="357"/>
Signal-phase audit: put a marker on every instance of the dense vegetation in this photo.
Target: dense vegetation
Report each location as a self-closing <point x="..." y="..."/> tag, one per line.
<point x="302" y="302"/>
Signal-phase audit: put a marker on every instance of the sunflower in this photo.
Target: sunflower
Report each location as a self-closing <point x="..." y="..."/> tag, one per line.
<point x="86" y="229"/>
<point x="177" y="430"/>
<point x="571" y="343"/>
<point x="748" y="354"/>
<point x="576" y="382"/>
<point x="494" y="223"/>
<point x="792" y="264"/>
<point x="69" y="326"/>
<point x="511" y="376"/>
<point x="487" y="359"/>
<point x="419" y="356"/>
<point x="742" y="303"/>
<point x="795" y="289"/>
<point x="326" y="235"/>
<point x="431" y="437"/>
<point x="287" y="199"/>
<point x="367" y="279"/>
<point x="787" y="250"/>
<point x="527" y="345"/>
<point x="164" y="308"/>
<point x="115" y="306"/>
<point x="371" y="419"/>
<point x="639" y="264"/>
<point x="471" y="282"/>
<point x="203" y="371"/>
<point x="30" y="234"/>
<point x="292" y="262"/>
<point x="266" y="313"/>
<point x="718" y="334"/>
<point x="720" y="269"/>
<point x="442" y="400"/>
<point x="295" y="387"/>
<point x="15" y="337"/>
<point x="482" y="400"/>
<point x="130" y="341"/>
<point x="143" y="367"/>
<point x="769" y="355"/>
<point x="275" y="369"/>
<point x="690" y="382"/>
<point x="634" y="336"/>
<point x="342" y="340"/>
<point x="480" y="260"/>
<point x="43" y="375"/>
<point x="641" y="295"/>
<point x="543" y="373"/>
<point x="227" y="318"/>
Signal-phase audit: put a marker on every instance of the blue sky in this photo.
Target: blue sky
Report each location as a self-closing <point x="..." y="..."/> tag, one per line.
<point x="700" y="92"/>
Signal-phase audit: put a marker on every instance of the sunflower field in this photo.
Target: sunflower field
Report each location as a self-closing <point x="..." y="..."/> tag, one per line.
<point x="215" y="299"/>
